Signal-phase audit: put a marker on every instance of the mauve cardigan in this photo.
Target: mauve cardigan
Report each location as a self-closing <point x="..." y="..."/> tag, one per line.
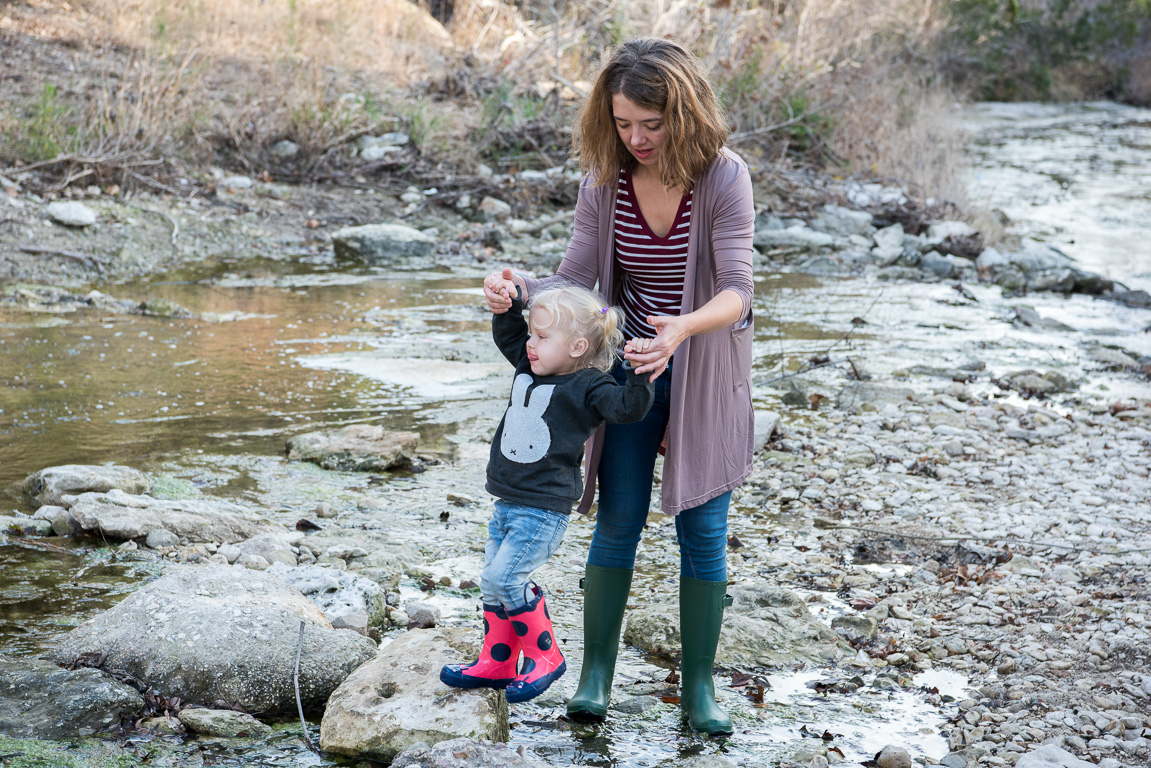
<point x="711" y="425"/>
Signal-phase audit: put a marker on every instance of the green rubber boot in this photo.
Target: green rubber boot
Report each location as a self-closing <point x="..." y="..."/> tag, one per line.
<point x="605" y="592"/>
<point x="701" y="605"/>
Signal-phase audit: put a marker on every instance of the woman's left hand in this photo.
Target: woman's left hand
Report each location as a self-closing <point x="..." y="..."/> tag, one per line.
<point x="653" y="356"/>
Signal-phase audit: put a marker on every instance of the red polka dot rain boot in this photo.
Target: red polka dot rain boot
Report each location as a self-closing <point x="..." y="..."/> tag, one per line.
<point x="543" y="663"/>
<point x="496" y="666"/>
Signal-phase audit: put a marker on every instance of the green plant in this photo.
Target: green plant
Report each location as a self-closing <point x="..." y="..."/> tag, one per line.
<point x="47" y="131"/>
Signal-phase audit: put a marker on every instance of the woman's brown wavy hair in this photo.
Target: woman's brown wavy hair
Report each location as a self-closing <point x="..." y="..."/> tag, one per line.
<point x="660" y="76"/>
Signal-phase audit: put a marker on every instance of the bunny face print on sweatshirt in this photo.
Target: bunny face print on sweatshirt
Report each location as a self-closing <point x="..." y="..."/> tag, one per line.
<point x="526" y="436"/>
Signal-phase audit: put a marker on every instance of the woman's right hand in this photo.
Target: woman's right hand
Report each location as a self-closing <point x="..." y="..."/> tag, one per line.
<point x="500" y="289"/>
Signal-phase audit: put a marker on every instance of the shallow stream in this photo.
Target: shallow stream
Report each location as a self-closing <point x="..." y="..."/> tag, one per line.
<point x="206" y="407"/>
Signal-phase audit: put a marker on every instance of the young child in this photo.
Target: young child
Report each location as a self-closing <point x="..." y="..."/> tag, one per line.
<point x="561" y="394"/>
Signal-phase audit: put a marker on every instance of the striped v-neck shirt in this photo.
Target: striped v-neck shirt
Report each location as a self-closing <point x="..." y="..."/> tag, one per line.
<point x="652" y="268"/>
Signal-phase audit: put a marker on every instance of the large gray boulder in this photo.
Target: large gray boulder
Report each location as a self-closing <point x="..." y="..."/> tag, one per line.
<point x="39" y="700"/>
<point x="355" y="448"/>
<point x="51" y="485"/>
<point x="337" y="593"/>
<point x="843" y="222"/>
<point x="397" y="700"/>
<point x="388" y="245"/>
<point x="766" y="626"/>
<point x="71" y="213"/>
<point x="463" y="753"/>
<point x="219" y="635"/>
<point x="118" y="515"/>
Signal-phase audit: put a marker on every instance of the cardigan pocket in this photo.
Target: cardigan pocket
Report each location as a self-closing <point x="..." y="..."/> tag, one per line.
<point x="741" y="352"/>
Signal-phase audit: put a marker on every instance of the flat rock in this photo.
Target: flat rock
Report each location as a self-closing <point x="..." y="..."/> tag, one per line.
<point x="390" y="245"/>
<point x="355" y="448"/>
<point x="765" y="626"/>
<point x="215" y="633"/>
<point x="39" y="700"/>
<point x="396" y="700"/>
<point x="842" y="222"/>
<point x="463" y="753"/>
<point x="118" y="515"/>
<point x="71" y="214"/>
<point x="222" y="722"/>
<point x="51" y="485"/>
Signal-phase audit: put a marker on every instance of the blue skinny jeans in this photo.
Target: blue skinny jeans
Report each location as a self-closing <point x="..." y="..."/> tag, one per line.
<point x="626" y="470"/>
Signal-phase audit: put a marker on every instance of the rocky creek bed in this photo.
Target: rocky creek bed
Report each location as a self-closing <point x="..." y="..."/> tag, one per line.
<point x="943" y="547"/>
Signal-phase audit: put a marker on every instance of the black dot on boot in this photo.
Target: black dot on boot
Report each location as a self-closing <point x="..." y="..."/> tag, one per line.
<point x="520" y="628"/>
<point x="487" y="627"/>
<point x="501" y="652"/>
<point x="545" y="641"/>
<point x="528" y="665"/>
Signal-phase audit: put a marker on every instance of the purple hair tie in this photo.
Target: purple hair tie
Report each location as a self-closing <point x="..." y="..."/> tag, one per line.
<point x="603" y="311"/>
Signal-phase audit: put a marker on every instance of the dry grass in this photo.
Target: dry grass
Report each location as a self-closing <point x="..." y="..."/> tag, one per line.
<point x="835" y="81"/>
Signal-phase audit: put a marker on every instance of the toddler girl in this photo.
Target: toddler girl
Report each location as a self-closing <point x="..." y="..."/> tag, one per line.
<point x="561" y="394"/>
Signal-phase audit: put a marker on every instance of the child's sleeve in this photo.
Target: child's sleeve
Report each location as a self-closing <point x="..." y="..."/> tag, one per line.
<point x="622" y="404"/>
<point x="510" y="331"/>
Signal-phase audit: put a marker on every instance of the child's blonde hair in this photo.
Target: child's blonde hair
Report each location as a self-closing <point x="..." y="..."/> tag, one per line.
<point x="583" y="314"/>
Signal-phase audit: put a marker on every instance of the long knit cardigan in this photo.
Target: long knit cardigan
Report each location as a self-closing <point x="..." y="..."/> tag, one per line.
<point x="711" y="424"/>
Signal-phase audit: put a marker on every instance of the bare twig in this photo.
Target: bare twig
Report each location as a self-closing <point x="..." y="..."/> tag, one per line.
<point x="296" y="679"/>
<point x="171" y="219"/>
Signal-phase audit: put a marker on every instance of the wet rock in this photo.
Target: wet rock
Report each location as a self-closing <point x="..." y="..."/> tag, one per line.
<point x="382" y="559"/>
<point x="397" y="700"/>
<point x="765" y="626"/>
<point x="1112" y="358"/>
<point x="204" y="635"/>
<point x="163" y="308"/>
<point x="1031" y="382"/>
<point x="636" y="705"/>
<point x="842" y="222"/>
<point x="1130" y="298"/>
<point x="274" y="546"/>
<point x="222" y="722"/>
<point x="71" y="214"/>
<point x="856" y="627"/>
<point x="42" y="701"/>
<point x="422" y="615"/>
<point x="118" y="515"/>
<point x="893" y="757"/>
<point x="355" y="448"/>
<point x="23" y="525"/>
<point x="463" y="753"/>
<point x="158" y="538"/>
<point x="337" y="593"/>
<point x="953" y="760"/>
<point x="1051" y="756"/>
<point x="708" y="761"/>
<point x="937" y="264"/>
<point x="1028" y="317"/>
<point x="63" y="524"/>
<point x="388" y="245"/>
<point x="51" y="485"/>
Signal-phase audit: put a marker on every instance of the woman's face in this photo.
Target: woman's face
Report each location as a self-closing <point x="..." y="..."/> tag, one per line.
<point x="641" y="130"/>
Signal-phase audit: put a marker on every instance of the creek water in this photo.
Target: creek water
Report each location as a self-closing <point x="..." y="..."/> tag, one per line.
<point x="205" y="407"/>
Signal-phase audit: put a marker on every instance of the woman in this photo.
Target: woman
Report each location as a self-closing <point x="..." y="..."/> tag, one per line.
<point x="664" y="226"/>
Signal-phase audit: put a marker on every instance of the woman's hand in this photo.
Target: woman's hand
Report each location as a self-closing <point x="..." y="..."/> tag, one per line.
<point x="500" y="289"/>
<point x="652" y="355"/>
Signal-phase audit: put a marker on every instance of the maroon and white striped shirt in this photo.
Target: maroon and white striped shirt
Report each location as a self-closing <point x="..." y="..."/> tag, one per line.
<point x="652" y="267"/>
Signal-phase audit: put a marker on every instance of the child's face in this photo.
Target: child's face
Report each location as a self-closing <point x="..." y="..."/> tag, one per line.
<point x="551" y="351"/>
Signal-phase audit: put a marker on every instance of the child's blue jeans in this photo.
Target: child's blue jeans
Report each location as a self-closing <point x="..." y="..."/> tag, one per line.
<point x="625" y="484"/>
<point x="520" y="540"/>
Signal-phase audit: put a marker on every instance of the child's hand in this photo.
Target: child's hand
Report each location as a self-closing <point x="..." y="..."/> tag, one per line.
<point x="499" y="290"/>
<point x="637" y="346"/>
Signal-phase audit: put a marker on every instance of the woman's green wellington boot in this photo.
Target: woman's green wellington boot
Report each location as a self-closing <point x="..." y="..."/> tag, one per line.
<point x="605" y="592"/>
<point x="701" y="605"/>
